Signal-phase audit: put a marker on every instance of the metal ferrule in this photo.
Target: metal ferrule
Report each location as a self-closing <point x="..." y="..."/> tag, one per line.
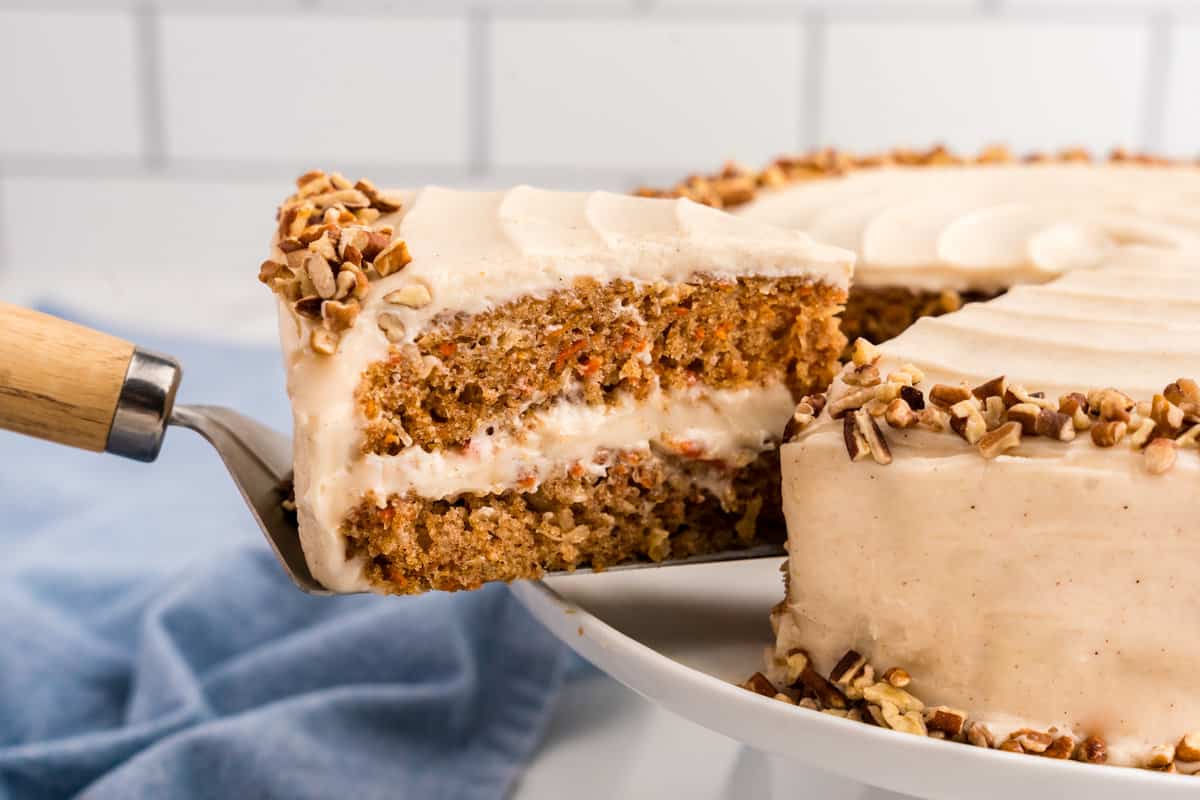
<point x="145" y="404"/>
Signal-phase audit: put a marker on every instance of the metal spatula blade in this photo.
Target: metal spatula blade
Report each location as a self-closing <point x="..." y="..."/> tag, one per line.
<point x="259" y="460"/>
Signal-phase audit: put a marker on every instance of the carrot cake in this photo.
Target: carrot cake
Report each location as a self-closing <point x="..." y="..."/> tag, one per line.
<point x="487" y="386"/>
<point x="991" y="518"/>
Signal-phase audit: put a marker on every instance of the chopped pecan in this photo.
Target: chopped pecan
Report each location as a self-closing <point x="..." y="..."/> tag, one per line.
<point x="759" y="684"/>
<point x="1054" y="425"/>
<point x="866" y="375"/>
<point x="993" y="388"/>
<point x="1183" y="391"/>
<point x="1141" y="434"/>
<point x="967" y="421"/>
<point x="270" y="269"/>
<point x="864" y="438"/>
<point x="1032" y="741"/>
<point x="1111" y="405"/>
<point x="392" y="326"/>
<point x="392" y="258"/>
<point x="308" y="307"/>
<point x="1015" y="394"/>
<point x="980" y="735"/>
<point x="1108" y="434"/>
<point x="863" y="352"/>
<point x="414" y="295"/>
<point x="946" y="396"/>
<point x="338" y="316"/>
<point x="321" y="275"/>
<point x="1092" y="750"/>
<point x="1062" y="747"/>
<point x="1027" y="415"/>
<point x="824" y="691"/>
<point x="913" y="396"/>
<point x="932" y="419"/>
<point x="795" y="663"/>
<point x="848" y="668"/>
<point x="882" y="692"/>
<point x="1070" y="403"/>
<point x="1160" y="756"/>
<point x="806" y="411"/>
<point x="851" y="401"/>
<point x="903" y="721"/>
<point x="908" y="375"/>
<point x="323" y="341"/>
<point x="1167" y="416"/>
<point x="900" y="415"/>
<point x="949" y="721"/>
<point x="1188" y="748"/>
<point x="993" y="412"/>
<point x="1160" y="456"/>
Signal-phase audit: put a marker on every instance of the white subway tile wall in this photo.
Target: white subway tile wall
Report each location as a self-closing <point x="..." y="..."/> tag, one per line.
<point x="176" y="125"/>
<point x="315" y="88"/>
<point x="1025" y="83"/>
<point x="644" y="93"/>
<point x="69" y="85"/>
<point x="1182" y="120"/>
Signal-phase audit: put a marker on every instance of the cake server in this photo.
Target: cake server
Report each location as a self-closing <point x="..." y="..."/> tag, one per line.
<point x="79" y="387"/>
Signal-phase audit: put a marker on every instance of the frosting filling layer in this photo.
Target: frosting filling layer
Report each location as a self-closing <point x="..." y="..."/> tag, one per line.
<point x="731" y="426"/>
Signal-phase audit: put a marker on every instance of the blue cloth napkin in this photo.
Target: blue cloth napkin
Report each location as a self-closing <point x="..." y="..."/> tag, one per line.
<point x="150" y="646"/>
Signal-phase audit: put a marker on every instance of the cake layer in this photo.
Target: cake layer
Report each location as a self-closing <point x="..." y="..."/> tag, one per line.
<point x="1047" y="584"/>
<point x="593" y="343"/>
<point x="646" y="504"/>
<point x="449" y="350"/>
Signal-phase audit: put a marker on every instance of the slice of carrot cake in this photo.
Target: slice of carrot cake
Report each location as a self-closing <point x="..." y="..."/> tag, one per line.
<point x="490" y="385"/>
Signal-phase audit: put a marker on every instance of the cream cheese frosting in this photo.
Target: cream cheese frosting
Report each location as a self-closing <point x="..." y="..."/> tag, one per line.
<point x="475" y="251"/>
<point x="1050" y="585"/>
<point x="985" y="228"/>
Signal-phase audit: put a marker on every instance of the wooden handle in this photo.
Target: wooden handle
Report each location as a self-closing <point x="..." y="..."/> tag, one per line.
<point x="58" y="380"/>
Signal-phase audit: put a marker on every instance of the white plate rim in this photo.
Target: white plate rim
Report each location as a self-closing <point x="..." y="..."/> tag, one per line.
<point x="899" y="762"/>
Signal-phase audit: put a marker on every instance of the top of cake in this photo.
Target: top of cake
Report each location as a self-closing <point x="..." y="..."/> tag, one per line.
<point x="932" y="221"/>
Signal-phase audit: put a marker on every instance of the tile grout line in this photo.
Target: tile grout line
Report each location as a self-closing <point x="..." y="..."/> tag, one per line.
<point x="4" y="265"/>
<point x="479" y="92"/>
<point x="812" y="32"/>
<point x="1154" y="90"/>
<point x="149" y="65"/>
